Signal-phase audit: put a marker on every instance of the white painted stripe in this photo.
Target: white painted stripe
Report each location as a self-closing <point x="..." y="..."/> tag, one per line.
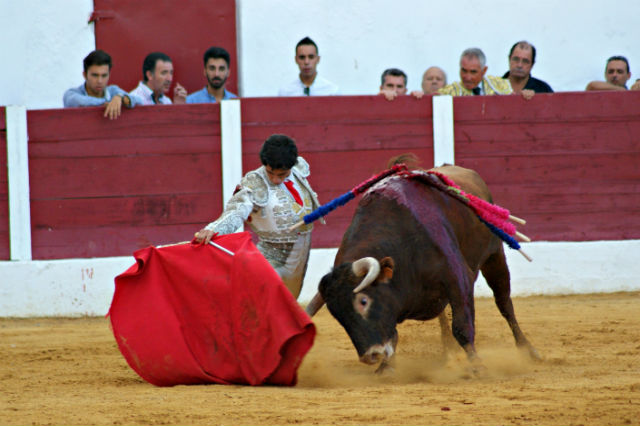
<point x="18" y="187"/>
<point x="443" y="145"/>
<point x="72" y="287"/>
<point x="231" y="134"/>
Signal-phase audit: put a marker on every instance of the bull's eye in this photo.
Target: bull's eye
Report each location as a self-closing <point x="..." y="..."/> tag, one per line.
<point x="362" y="303"/>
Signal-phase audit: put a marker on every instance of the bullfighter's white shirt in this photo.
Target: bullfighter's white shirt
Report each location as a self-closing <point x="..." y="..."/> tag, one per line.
<point x="319" y="87"/>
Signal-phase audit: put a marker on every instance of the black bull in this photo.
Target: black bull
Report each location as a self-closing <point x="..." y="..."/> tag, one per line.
<point x="418" y="249"/>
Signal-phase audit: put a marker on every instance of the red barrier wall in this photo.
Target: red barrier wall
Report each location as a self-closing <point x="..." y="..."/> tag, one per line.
<point x="4" y="190"/>
<point x="105" y="188"/>
<point x="345" y="140"/>
<point x="184" y="30"/>
<point x="567" y="162"/>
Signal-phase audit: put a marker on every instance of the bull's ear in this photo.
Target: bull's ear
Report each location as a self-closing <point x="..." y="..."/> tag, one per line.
<point x="386" y="269"/>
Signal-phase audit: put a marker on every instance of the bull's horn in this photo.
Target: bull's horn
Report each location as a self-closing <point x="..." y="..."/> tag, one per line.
<point x="369" y="265"/>
<point x="315" y="305"/>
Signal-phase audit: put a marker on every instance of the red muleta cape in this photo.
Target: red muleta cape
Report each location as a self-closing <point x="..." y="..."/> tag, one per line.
<point x="193" y="314"/>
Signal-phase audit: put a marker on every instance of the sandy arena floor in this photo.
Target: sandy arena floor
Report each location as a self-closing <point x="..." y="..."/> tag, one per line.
<point x="69" y="371"/>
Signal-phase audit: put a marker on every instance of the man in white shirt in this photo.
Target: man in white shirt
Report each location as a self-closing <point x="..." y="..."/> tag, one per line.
<point x="308" y="83"/>
<point x="157" y="75"/>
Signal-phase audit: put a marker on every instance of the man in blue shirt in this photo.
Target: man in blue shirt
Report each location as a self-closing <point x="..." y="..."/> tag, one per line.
<point x="95" y="91"/>
<point x="216" y="71"/>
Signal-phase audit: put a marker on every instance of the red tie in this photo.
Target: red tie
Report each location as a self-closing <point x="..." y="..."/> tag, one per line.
<point x="292" y="189"/>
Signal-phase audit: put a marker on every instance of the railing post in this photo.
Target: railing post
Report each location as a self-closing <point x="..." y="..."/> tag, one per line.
<point x="231" y="136"/>
<point x="18" y="185"/>
<point x="443" y="141"/>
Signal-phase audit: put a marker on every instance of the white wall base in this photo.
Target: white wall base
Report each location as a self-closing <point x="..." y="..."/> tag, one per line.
<point x="74" y="287"/>
<point x="557" y="268"/>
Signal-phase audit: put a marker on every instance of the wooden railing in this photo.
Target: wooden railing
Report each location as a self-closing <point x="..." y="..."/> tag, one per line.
<point x="569" y="163"/>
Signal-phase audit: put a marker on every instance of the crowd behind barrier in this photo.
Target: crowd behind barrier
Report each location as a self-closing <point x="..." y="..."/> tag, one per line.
<point x="157" y="77"/>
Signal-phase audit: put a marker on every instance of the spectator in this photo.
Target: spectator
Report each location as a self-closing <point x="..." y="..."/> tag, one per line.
<point x="95" y="90"/>
<point x="474" y="81"/>
<point x="272" y="199"/>
<point x="433" y="79"/>
<point x="216" y="71"/>
<point x="616" y="74"/>
<point x="308" y="83"/>
<point x="393" y="83"/>
<point x="522" y="56"/>
<point x="157" y="75"/>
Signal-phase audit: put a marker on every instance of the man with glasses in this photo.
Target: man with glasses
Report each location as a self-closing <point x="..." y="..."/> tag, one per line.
<point x="308" y="83"/>
<point x="522" y="56"/>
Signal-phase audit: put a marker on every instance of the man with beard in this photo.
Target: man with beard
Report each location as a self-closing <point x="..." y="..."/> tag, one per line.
<point x="157" y="75"/>
<point x="216" y="71"/>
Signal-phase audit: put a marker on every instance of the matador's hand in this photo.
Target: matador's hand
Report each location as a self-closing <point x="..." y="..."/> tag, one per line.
<point x="204" y="236"/>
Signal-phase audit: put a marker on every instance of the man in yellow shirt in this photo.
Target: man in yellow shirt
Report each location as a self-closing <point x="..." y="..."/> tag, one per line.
<point x="474" y="81"/>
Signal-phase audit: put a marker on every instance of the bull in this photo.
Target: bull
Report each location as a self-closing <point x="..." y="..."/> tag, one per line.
<point x="410" y="251"/>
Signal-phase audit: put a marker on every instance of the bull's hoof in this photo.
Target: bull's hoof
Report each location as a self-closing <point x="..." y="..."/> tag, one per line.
<point x="528" y="350"/>
<point x="476" y="369"/>
<point x="479" y="370"/>
<point x="533" y="353"/>
<point x="385" y="367"/>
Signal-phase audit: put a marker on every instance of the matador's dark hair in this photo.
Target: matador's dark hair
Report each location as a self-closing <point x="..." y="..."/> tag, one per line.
<point x="279" y="152"/>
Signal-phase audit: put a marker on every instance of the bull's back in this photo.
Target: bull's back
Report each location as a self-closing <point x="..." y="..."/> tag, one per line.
<point x="469" y="180"/>
<point x="407" y="218"/>
<point x="400" y="210"/>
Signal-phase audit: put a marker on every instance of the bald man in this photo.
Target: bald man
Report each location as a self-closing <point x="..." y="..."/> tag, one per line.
<point x="434" y="78"/>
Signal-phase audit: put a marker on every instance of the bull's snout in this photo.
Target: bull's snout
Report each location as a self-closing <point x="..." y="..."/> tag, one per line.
<point x="376" y="353"/>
